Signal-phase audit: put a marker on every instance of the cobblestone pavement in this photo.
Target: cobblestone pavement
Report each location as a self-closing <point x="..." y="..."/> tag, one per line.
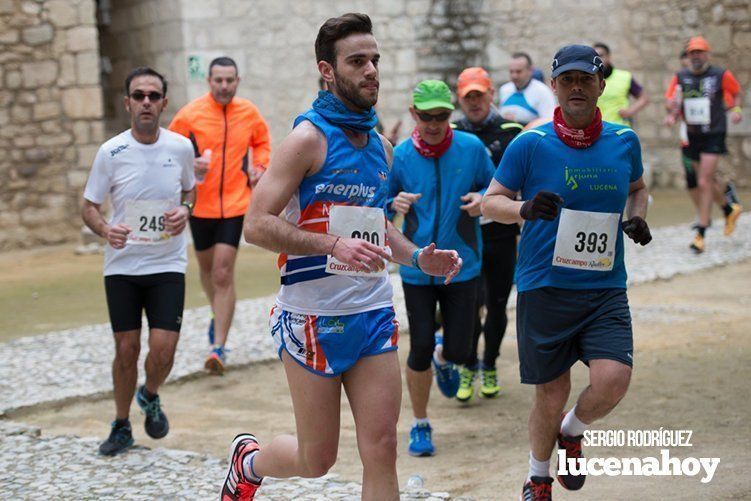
<point x="76" y="363"/>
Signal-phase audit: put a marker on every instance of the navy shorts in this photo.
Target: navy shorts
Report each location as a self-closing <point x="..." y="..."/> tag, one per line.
<point x="556" y="327"/>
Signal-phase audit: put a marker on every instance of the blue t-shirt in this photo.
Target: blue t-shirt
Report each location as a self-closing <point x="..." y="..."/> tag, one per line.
<point x="594" y="179"/>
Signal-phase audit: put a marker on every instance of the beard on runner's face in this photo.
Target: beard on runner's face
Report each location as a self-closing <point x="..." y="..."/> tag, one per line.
<point x="363" y="95"/>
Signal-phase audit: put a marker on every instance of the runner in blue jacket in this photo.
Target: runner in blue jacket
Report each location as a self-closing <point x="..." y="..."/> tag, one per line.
<point x="437" y="182"/>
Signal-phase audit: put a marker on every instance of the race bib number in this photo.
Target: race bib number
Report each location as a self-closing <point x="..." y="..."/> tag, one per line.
<point x="146" y="221"/>
<point x="696" y="110"/>
<point x="365" y="223"/>
<point x="586" y="240"/>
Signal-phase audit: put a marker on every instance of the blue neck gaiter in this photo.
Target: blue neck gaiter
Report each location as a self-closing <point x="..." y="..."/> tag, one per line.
<point x="334" y="111"/>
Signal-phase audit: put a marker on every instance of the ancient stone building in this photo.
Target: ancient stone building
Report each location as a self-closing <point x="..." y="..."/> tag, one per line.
<point x="62" y="65"/>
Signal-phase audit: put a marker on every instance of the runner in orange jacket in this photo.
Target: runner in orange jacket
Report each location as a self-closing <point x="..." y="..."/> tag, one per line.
<point x="232" y="147"/>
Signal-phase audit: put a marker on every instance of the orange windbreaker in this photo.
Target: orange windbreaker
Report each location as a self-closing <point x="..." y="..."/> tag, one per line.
<point x="233" y="133"/>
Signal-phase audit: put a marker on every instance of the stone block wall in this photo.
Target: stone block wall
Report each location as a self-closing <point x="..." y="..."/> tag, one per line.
<point x="50" y="117"/>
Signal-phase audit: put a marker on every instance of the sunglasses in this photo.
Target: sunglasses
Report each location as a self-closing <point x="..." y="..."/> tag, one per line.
<point x="140" y="96"/>
<point x="427" y="117"/>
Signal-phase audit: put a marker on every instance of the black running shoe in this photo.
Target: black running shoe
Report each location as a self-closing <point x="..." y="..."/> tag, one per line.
<point x="573" y="448"/>
<point x="156" y="424"/>
<point x="538" y="489"/>
<point x="121" y="437"/>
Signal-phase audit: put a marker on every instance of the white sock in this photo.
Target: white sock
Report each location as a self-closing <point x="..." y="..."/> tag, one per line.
<point x="571" y="426"/>
<point x="538" y="468"/>
<point x="248" y="468"/>
<point x="421" y="421"/>
<point x="438" y="355"/>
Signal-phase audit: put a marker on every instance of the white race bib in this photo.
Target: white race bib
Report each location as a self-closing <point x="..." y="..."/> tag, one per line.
<point x="696" y="110"/>
<point x="146" y="221"/>
<point x="366" y="223"/>
<point x="586" y="240"/>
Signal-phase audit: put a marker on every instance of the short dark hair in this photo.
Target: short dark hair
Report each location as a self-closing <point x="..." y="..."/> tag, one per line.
<point x="141" y="71"/>
<point x="600" y="45"/>
<point x="522" y="55"/>
<point x="336" y="28"/>
<point x="684" y="54"/>
<point x="222" y="61"/>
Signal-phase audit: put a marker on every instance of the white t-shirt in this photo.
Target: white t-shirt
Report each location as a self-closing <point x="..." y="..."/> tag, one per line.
<point x="536" y="100"/>
<point x="143" y="181"/>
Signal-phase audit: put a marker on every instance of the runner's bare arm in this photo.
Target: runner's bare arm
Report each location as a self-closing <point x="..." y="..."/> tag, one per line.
<point x="638" y="199"/>
<point x="176" y="219"/>
<point x="499" y="204"/>
<point x="301" y="154"/>
<point x="436" y="262"/>
<point x="92" y="215"/>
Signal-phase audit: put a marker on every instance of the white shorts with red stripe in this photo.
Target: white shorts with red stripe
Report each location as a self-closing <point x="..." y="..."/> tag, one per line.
<point x="330" y="345"/>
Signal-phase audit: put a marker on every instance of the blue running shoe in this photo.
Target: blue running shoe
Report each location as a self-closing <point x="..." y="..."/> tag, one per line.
<point x="421" y="441"/>
<point x="446" y="375"/>
<point x="120" y="439"/>
<point x="211" y="330"/>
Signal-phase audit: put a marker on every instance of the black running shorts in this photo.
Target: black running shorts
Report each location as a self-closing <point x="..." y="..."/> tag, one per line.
<point x="704" y="143"/>
<point x="162" y="295"/>
<point x="209" y="232"/>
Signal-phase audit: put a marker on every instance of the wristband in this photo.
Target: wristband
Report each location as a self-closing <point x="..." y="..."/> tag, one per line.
<point x="736" y="109"/>
<point x="189" y="205"/>
<point x="415" y="257"/>
<point x="334" y="246"/>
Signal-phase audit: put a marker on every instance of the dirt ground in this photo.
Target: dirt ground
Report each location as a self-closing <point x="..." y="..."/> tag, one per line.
<point x="692" y="353"/>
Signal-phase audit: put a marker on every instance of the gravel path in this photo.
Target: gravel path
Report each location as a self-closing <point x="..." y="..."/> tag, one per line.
<point x="76" y="363"/>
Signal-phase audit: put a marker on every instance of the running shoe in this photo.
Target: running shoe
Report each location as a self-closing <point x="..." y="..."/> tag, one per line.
<point x="537" y="489"/>
<point x="466" y="384"/>
<point x="236" y="487"/>
<point x="490" y="387"/>
<point x="732" y="219"/>
<point x="156" y="423"/>
<point x="446" y="374"/>
<point x="215" y="361"/>
<point x="421" y="440"/>
<point x="211" y="331"/>
<point x="573" y="448"/>
<point x="121" y="437"/>
<point x="698" y="244"/>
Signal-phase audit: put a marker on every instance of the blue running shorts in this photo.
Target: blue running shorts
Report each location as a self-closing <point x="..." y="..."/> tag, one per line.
<point x="329" y="346"/>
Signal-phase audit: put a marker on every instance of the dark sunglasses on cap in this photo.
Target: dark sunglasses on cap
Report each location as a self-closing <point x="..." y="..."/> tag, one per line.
<point x="140" y="96"/>
<point x="427" y="117"/>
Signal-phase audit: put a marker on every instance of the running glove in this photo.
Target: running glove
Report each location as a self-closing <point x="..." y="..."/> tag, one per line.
<point x="637" y="230"/>
<point x="543" y="206"/>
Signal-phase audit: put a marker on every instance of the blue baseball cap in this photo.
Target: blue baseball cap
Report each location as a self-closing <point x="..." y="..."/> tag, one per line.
<point x="576" y="57"/>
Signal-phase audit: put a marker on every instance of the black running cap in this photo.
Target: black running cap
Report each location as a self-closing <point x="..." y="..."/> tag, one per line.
<point x="576" y="57"/>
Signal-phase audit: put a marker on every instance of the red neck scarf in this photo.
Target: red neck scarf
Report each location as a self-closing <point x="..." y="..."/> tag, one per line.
<point x="577" y="138"/>
<point x="432" y="150"/>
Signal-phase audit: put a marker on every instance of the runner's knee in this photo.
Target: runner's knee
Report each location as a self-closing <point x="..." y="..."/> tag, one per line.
<point x="222" y="276"/>
<point x="127" y="349"/>
<point x="420" y="356"/>
<point x="317" y="461"/>
<point x="612" y="383"/>
<point x="555" y="393"/>
<point x="379" y="446"/>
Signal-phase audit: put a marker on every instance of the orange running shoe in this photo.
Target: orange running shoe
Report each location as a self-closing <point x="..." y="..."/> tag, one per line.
<point x="215" y="361"/>
<point x="236" y="487"/>
<point x="732" y="219"/>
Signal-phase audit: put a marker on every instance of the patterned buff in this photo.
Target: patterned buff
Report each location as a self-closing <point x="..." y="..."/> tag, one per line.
<point x="577" y="138"/>
<point x="335" y="112"/>
<point x="432" y="150"/>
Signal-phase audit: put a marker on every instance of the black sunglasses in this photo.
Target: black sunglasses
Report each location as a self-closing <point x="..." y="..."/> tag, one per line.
<point x="427" y="117"/>
<point x="140" y="96"/>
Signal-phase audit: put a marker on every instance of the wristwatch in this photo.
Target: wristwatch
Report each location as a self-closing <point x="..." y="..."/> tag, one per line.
<point x="189" y="205"/>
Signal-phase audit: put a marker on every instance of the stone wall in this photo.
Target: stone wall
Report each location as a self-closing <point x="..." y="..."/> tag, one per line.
<point x="50" y="117"/>
<point x="51" y="109"/>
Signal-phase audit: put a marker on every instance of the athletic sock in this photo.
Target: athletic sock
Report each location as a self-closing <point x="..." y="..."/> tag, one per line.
<point x="148" y="395"/>
<point x="700" y="230"/>
<point x="571" y="425"/>
<point x="438" y="355"/>
<point x="121" y="423"/>
<point x="248" y="471"/>
<point x="421" y="421"/>
<point x="727" y="209"/>
<point x="731" y="196"/>
<point x="538" y="468"/>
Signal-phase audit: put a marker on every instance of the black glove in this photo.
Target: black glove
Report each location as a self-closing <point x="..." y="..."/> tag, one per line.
<point x="637" y="230"/>
<point x="543" y="206"/>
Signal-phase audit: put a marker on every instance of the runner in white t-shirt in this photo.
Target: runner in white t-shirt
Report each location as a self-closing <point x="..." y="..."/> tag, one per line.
<point x="524" y="98"/>
<point x="147" y="174"/>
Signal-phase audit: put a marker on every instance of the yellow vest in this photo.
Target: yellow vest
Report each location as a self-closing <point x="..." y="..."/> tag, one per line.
<point x="615" y="96"/>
